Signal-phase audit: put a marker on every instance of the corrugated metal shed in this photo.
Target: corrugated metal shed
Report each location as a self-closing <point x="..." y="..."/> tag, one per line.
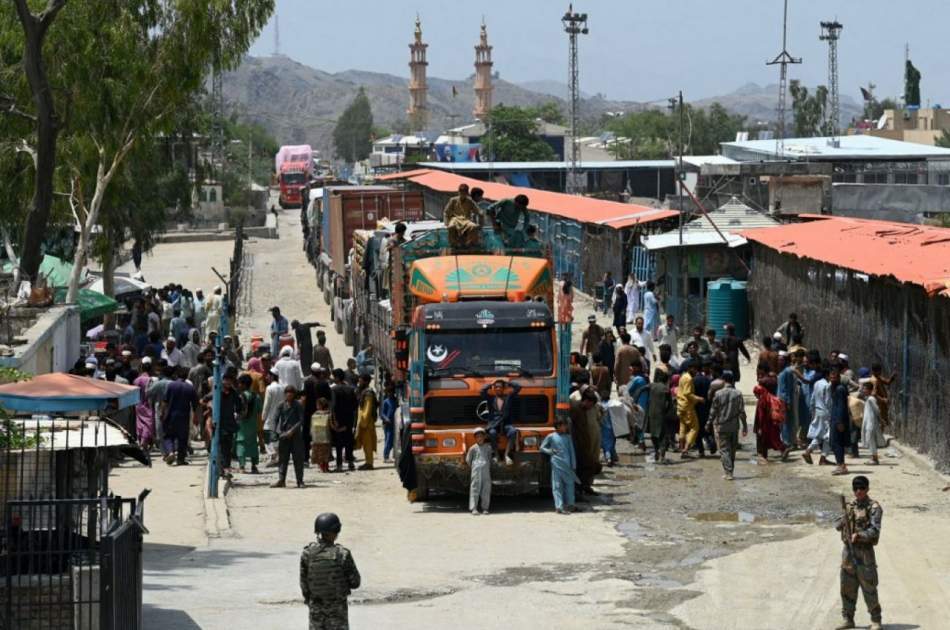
<point x="462" y="167"/>
<point x="909" y="253"/>
<point x="731" y="218"/>
<point x="851" y="147"/>
<point x="582" y="209"/>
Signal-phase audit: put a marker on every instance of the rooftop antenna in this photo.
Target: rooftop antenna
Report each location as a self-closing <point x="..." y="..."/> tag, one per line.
<point x="830" y="32"/>
<point x="574" y="24"/>
<point x="276" y="32"/>
<point x="783" y="60"/>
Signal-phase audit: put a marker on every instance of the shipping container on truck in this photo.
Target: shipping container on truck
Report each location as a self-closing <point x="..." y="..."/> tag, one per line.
<point x="338" y="213"/>
<point x="444" y="323"/>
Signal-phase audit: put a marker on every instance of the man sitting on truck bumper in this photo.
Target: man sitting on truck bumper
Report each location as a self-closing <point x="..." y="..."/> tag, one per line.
<point x="499" y="414"/>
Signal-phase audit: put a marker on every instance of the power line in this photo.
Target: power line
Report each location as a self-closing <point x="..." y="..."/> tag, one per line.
<point x="574" y="24"/>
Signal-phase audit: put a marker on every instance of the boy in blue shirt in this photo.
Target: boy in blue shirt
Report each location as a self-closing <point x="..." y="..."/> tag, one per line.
<point x="560" y="448"/>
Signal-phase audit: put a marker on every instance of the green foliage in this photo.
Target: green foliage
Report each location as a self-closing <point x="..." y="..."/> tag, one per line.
<point x="943" y="140"/>
<point x="911" y="84"/>
<point x="514" y="136"/>
<point x="13" y="435"/>
<point x="352" y="136"/>
<point x="811" y="113"/>
<point x="654" y="134"/>
<point x="874" y="109"/>
<point x="549" y="112"/>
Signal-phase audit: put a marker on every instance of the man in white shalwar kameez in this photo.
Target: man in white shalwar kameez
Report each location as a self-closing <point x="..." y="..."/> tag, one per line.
<point x="632" y="290"/>
<point x="819" y="431"/>
<point x="871" y="434"/>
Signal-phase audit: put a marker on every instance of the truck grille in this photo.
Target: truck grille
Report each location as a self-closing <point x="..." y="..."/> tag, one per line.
<point x="444" y="410"/>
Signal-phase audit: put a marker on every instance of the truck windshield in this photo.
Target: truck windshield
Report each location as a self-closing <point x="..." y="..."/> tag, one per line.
<point x="489" y="351"/>
<point x="292" y="178"/>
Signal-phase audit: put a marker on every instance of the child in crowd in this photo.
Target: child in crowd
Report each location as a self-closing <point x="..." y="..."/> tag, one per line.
<point x="387" y="412"/>
<point x="478" y="459"/>
<point x="320" y="435"/>
<point x="560" y="448"/>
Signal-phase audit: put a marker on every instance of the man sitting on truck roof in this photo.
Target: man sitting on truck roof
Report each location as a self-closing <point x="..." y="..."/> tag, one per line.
<point x="459" y="217"/>
<point x="499" y="414"/>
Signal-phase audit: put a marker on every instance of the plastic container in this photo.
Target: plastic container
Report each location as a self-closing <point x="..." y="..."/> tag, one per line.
<point x="727" y="301"/>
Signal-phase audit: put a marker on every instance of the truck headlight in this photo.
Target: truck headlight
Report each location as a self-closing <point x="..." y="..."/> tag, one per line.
<point x="449" y="442"/>
<point x="531" y="440"/>
<point x="431" y="443"/>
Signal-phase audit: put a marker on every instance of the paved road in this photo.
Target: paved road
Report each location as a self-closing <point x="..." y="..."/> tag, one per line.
<point x="663" y="547"/>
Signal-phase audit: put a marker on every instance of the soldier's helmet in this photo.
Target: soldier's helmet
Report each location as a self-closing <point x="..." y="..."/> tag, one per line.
<point x="327" y="523"/>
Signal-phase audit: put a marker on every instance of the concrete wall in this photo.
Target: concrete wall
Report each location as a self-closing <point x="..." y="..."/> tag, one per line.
<point x="889" y="202"/>
<point x="798" y="195"/>
<point x="52" y="343"/>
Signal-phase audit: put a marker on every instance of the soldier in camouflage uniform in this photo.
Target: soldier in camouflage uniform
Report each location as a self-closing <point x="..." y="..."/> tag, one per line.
<point x="858" y="564"/>
<point x="327" y="575"/>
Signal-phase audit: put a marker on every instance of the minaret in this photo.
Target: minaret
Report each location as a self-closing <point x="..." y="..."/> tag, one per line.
<point x="418" y="109"/>
<point x="483" y="87"/>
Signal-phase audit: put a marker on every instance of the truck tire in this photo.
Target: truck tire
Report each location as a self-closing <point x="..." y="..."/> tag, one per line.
<point x="336" y="311"/>
<point x="320" y="279"/>
<point x="349" y="332"/>
<point x="327" y="288"/>
<point x="422" y="488"/>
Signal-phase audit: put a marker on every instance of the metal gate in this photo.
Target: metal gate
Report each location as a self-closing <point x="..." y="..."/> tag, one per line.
<point x="121" y="573"/>
<point x="72" y="564"/>
<point x="643" y="263"/>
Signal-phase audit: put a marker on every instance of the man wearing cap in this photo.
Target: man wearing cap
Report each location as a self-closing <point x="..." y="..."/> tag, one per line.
<point x="279" y="326"/>
<point x="289" y="369"/>
<point x="725" y="414"/>
<point x="860" y="528"/>
<point x="171" y="353"/>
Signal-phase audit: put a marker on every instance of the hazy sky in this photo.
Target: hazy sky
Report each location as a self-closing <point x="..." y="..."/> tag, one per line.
<point x="637" y="49"/>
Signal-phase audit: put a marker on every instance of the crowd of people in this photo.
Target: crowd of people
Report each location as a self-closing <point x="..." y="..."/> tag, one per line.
<point x="282" y="402"/>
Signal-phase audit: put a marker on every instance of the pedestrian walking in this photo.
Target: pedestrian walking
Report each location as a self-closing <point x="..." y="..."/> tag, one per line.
<point x="819" y="431"/>
<point x="387" y="413"/>
<point x="321" y="354"/>
<point x="180" y="405"/>
<point x="290" y="435"/>
<point x="273" y="396"/>
<point x="840" y="422"/>
<point x="860" y="527"/>
<point x="246" y="439"/>
<point x="619" y="308"/>
<point x="585" y="431"/>
<point x="304" y="342"/>
<point x="365" y="437"/>
<point x="686" y="401"/>
<point x="591" y="337"/>
<point x="342" y="419"/>
<point x="320" y="435"/>
<point x="607" y="290"/>
<point x="725" y="415"/>
<point x="770" y="415"/>
<point x="871" y="433"/>
<point x="478" y="459"/>
<point x="560" y="448"/>
<point x="328" y="575"/>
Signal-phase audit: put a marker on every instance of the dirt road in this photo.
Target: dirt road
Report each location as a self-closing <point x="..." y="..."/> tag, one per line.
<point x="662" y="546"/>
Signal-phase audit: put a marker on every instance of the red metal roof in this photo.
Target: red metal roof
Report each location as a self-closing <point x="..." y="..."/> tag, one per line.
<point x="917" y="254"/>
<point x="582" y="209"/>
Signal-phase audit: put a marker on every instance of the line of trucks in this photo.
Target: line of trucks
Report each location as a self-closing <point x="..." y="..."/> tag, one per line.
<point x="443" y="323"/>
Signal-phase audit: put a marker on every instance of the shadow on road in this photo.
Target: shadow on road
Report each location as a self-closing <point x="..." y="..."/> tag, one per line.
<point x="167" y="618"/>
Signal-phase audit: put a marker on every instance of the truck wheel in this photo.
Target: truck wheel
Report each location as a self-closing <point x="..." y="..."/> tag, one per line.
<point x="320" y="280"/>
<point x="327" y="288"/>
<point x="422" y="488"/>
<point x="349" y="334"/>
<point x="337" y="312"/>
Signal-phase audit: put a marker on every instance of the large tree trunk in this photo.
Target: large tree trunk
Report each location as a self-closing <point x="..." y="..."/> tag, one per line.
<point x="108" y="284"/>
<point x="47" y="129"/>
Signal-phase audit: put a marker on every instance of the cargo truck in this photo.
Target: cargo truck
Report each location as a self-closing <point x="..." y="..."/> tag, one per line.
<point x="334" y="214"/>
<point x="446" y="323"/>
<point x="294" y="167"/>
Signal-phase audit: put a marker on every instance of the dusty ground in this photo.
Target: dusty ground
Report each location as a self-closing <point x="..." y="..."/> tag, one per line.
<point x="662" y="547"/>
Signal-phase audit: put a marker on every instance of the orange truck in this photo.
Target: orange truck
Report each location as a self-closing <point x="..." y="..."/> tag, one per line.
<point x="443" y="324"/>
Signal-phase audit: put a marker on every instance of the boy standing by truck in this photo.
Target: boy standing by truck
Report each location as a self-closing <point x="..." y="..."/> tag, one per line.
<point x="560" y="448"/>
<point x="478" y="459"/>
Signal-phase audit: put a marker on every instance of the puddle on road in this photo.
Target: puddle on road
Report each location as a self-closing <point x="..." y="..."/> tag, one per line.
<point x="749" y="517"/>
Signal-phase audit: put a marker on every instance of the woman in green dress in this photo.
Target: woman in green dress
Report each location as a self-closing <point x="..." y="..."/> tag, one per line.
<point x="247" y="424"/>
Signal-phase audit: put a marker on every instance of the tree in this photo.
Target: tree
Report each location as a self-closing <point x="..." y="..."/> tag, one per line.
<point x="943" y="140"/>
<point x="513" y="136"/>
<point x="655" y="134"/>
<point x="353" y="134"/>
<point x="46" y="125"/>
<point x="549" y="112"/>
<point x="131" y="70"/>
<point x="911" y="85"/>
<point x="874" y="109"/>
<point x="811" y="113"/>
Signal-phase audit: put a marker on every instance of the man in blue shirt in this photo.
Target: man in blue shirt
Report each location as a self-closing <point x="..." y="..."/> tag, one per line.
<point x="279" y="326"/>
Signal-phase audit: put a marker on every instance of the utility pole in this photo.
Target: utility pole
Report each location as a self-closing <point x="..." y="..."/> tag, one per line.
<point x="677" y="103"/>
<point x="217" y="116"/>
<point x="213" y="472"/>
<point x="830" y="32"/>
<point x="783" y="60"/>
<point x="574" y="24"/>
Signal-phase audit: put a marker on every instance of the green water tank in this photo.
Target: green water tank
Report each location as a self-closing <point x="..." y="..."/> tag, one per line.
<point x="727" y="301"/>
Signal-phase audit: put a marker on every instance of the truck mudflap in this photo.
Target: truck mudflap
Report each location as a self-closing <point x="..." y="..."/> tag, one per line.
<point x="530" y="473"/>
